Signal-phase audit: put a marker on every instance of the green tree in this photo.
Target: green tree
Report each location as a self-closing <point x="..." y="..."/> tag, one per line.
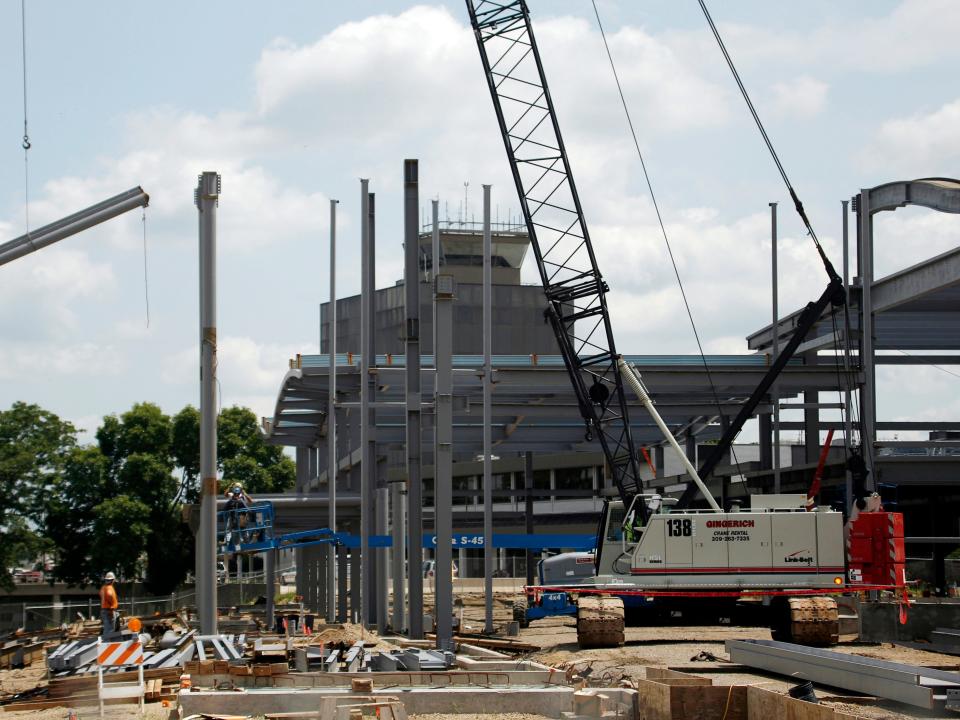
<point x="245" y="457"/>
<point x="122" y="527"/>
<point x="34" y="444"/>
<point x="119" y="505"/>
<point x="83" y="486"/>
<point x="186" y="451"/>
<point x="242" y="454"/>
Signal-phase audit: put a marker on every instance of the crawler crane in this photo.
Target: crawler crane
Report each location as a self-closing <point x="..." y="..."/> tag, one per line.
<point x="776" y="552"/>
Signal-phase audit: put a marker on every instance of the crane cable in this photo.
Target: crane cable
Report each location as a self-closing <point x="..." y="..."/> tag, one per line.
<point x="797" y="204"/>
<point x="25" y="143"/>
<point x="663" y="229"/>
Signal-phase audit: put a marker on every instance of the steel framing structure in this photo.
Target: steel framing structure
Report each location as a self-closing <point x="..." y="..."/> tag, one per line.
<point x="574" y="287"/>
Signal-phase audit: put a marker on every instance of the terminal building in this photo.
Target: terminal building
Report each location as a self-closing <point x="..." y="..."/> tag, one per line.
<point x="548" y="478"/>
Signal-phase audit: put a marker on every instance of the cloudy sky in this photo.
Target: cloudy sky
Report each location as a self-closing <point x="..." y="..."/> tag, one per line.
<point x="293" y="102"/>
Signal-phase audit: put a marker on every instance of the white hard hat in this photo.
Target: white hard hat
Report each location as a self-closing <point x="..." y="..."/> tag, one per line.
<point x="109" y="576"/>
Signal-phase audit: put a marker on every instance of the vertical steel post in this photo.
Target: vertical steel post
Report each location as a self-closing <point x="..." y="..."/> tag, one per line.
<point x="207" y="196"/>
<point x="332" y="459"/>
<point x="775" y="347"/>
<point x="847" y="417"/>
<point x="528" y="509"/>
<point x="270" y="581"/>
<point x="300" y="555"/>
<point x="343" y="591"/>
<point x="444" y="288"/>
<point x="435" y="251"/>
<point x="372" y="574"/>
<point x="397" y="555"/>
<point x="487" y="416"/>
<point x="367" y="473"/>
<point x="868" y="393"/>
<point x="383" y="607"/>
<point x="411" y="279"/>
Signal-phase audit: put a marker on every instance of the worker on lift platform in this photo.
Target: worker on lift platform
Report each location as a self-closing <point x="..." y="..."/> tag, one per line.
<point x="237" y="500"/>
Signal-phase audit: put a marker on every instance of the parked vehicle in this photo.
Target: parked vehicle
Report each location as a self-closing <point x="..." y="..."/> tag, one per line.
<point x="27" y="577"/>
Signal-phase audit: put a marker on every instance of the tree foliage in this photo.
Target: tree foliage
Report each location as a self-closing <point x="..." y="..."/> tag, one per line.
<point x="118" y="505"/>
<point x="34" y="445"/>
<point x="242" y="454"/>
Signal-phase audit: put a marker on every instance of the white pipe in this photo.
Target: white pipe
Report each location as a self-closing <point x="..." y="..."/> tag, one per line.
<point x="632" y="378"/>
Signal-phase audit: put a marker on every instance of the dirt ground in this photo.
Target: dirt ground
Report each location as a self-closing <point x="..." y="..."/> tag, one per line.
<point x="677" y="647"/>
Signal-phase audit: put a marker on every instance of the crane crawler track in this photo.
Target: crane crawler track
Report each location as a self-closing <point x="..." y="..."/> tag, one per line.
<point x="599" y="621"/>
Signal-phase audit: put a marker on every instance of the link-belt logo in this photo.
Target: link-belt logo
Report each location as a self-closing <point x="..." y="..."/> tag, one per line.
<point x="729" y="523"/>
<point x="800" y="556"/>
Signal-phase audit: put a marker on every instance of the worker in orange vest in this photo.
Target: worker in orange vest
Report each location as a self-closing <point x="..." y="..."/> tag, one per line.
<point x="108" y="604"/>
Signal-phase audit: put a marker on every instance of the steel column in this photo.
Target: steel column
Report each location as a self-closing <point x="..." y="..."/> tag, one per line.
<point x="775" y="348"/>
<point x="207" y="197"/>
<point x="847" y="391"/>
<point x="367" y="472"/>
<point x="371" y="559"/>
<point x="528" y="510"/>
<point x="302" y="460"/>
<point x="270" y="580"/>
<point x="411" y="279"/>
<point x="868" y="392"/>
<point x="332" y="456"/>
<point x="487" y="417"/>
<point x="382" y="565"/>
<point x="435" y="249"/>
<point x="397" y="554"/>
<point x="444" y="288"/>
<point x="343" y="592"/>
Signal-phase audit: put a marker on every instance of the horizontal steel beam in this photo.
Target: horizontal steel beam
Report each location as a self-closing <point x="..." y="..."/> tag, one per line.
<point x="72" y="224"/>
<point x="894" y="681"/>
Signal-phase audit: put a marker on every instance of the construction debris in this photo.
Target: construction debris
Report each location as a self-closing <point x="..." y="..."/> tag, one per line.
<point x="20" y="653"/>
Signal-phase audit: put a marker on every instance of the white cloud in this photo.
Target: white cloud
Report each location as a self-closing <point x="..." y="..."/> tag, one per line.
<point x="400" y="74"/>
<point x="914" y="34"/>
<point x="911" y="235"/>
<point x="46" y="359"/>
<point x="802" y="97"/>
<point x="245" y="367"/>
<point x="39" y="292"/>
<point x="922" y="144"/>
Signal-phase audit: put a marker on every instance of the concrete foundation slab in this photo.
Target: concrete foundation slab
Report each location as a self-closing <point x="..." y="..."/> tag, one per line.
<point x="550" y="701"/>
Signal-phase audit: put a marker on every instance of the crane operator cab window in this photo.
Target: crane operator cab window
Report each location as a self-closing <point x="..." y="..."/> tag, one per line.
<point x="615" y="523"/>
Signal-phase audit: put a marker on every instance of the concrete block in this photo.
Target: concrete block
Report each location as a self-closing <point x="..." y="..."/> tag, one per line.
<point x="587" y="702"/>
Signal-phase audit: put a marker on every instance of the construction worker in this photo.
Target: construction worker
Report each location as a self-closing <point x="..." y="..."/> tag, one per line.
<point x="108" y="604"/>
<point x="237" y="500"/>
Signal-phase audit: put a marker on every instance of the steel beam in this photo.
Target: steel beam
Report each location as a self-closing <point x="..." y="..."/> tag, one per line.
<point x="910" y="684"/>
<point x="72" y="224"/>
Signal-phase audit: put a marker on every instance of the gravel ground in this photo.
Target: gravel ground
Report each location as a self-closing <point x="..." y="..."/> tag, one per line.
<point x="152" y="711"/>
<point x="676" y="646"/>
<point x="557" y="638"/>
